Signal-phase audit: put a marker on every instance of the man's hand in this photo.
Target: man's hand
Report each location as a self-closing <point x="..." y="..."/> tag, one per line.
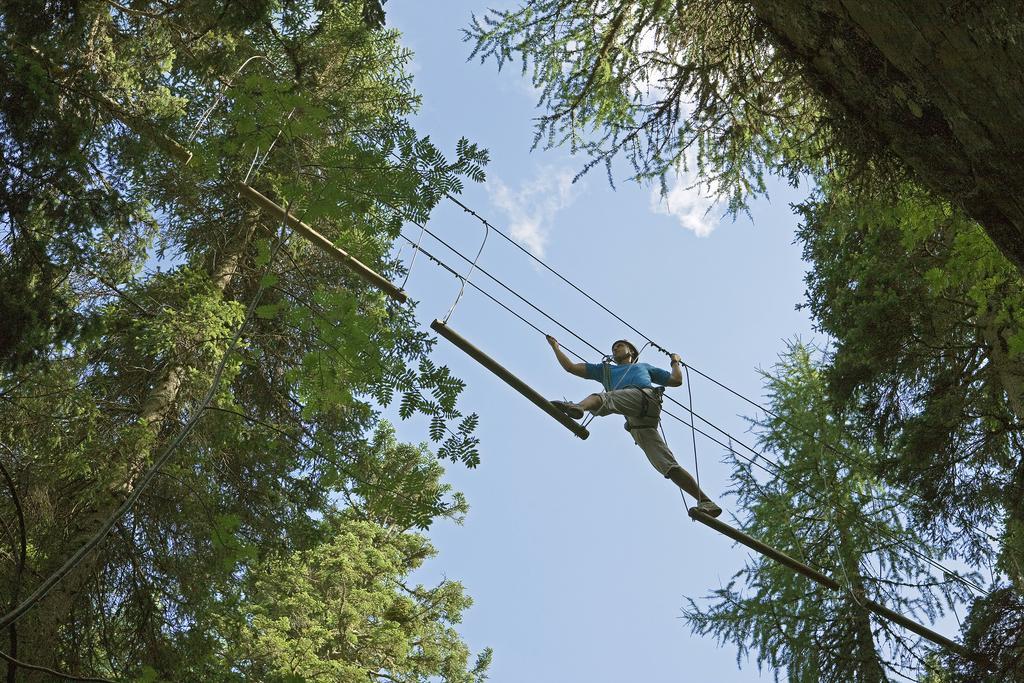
<point x="578" y="369"/>
<point x="677" y="370"/>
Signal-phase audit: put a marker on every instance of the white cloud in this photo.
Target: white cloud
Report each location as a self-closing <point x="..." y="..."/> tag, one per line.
<point x="691" y="203"/>
<point x="531" y="208"/>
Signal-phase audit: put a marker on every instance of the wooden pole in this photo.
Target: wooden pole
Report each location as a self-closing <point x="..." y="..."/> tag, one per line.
<point x="146" y="129"/>
<point x="510" y="379"/>
<point x="815" y="575"/>
<point x="184" y="156"/>
<point x="277" y="211"/>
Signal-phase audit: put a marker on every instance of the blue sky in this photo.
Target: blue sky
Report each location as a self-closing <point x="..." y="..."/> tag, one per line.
<point x="579" y="556"/>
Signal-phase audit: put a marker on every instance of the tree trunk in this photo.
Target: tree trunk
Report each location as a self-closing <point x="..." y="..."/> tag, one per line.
<point x="43" y="632"/>
<point x="940" y="84"/>
<point x="1011" y="376"/>
<point x="868" y="667"/>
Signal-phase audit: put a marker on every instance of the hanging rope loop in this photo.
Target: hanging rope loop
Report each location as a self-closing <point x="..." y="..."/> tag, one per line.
<point x="472" y="267"/>
<point x="412" y="261"/>
<point x="222" y="95"/>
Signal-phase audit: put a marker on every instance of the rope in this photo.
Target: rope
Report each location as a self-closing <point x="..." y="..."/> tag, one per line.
<point x="412" y="261"/>
<point x="552" y="270"/>
<point x="693" y="433"/>
<point x="252" y="165"/>
<point x="607" y="310"/>
<point x="227" y="83"/>
<point x="472" y="267"/>
<point x="503" y="286"/>
<point x="487" y="294"/>
<point x="777" y="469"/>
<point x="270" y="149"/>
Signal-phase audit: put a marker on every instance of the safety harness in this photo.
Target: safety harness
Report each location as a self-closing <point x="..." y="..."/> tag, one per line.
<point x="645" y="400"/>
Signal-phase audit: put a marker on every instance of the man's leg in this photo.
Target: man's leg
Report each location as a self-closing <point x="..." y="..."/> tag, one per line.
<point x="575" y="410"/>
<point x="657" y="451"/>
<point x="686" y="482"/>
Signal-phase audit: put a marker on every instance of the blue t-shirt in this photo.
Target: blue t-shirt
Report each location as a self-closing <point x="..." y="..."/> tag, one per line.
<point x="631" y="375"/>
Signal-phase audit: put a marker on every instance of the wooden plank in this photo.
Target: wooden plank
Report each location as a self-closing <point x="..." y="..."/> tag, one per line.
<point x="815" y="575"/>
<point x="277" y="211"/>
<point x="510" y="379"/>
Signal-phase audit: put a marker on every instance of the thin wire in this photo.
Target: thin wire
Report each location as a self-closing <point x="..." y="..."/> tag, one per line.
<point x="505" y="287"/>
<point x="754" y="451"/>
<point x="959" y="624"/>
<point x="487" y="294"/>
<point x="778" y="469"/>
<point x="252" y="165"/>
<point x="280" y="130"/>
<point x="554" y="272"/>
<point x="607" y="310"/>
<point x="682" y="493"/>
<point x="693" y="434"/>
<point x="226" y="85"/>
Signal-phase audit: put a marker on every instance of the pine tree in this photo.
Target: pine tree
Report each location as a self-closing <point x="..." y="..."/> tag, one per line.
<point x="925" y="313"/>
<point x="825" y="507"/>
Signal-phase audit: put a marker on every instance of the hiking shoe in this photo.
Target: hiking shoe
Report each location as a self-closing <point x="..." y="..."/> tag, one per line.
<point x="570" y="409"/>
<point x="709" y="508"/>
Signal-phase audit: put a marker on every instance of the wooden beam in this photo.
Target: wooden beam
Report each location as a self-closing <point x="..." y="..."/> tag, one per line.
<point x="818" y="577"/>
<point x="277" y="212"/>
<point x="510" y="379"/>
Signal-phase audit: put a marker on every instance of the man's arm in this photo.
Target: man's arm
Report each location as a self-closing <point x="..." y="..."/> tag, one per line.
<point x="578" y="369"/>
<point x="677" y="371"/>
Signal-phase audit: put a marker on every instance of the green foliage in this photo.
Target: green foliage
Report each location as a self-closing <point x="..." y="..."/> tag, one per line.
<point x="398" y="485"/>
<point x="696" y="84"/>
<point x="33" y="305"/>
<point x="826" y="508"/>
<point x="138" y="271"/>
<point x="926" y="315"/>
<point x="927" y="320"/>
<point x="343" y="612"/>
<point x="995" y="630"/>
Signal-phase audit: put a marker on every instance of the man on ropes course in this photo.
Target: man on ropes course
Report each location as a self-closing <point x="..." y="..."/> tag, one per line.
<point x="629" y="390"/>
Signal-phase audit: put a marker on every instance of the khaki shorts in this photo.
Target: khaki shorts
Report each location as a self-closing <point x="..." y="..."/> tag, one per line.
<point x="630" y="403"/>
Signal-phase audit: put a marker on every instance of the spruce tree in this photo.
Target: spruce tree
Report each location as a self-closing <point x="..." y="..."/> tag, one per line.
<point x="825" y="506"/>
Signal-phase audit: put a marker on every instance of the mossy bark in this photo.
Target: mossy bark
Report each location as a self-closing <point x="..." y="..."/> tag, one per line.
<point x="939" y="84"/>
